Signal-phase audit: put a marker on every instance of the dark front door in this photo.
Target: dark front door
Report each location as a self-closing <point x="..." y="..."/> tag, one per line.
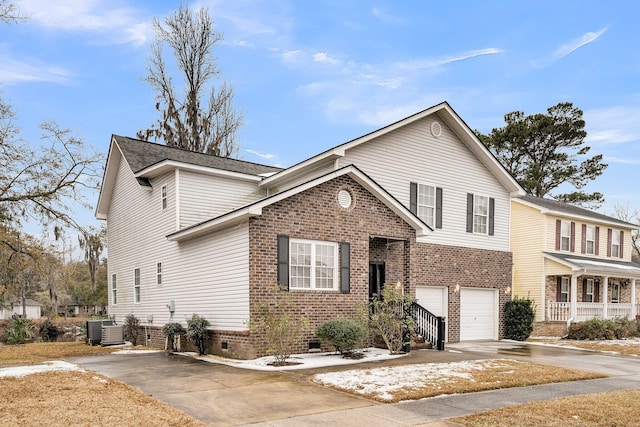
<point x="376" y="279"/>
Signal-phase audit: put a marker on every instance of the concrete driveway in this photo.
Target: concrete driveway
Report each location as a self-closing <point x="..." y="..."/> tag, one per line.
<point x="224" y="396"/>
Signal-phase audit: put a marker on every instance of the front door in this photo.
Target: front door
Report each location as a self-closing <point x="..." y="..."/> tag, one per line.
<point x="376" y="279"/>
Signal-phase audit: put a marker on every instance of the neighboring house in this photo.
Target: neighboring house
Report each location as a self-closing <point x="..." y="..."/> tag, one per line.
<point x="33" y="309"/>
<point x="421" y="202"/>
<point x="574" y="263"/>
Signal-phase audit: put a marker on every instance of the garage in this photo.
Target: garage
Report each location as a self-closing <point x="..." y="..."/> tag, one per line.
<point x="478" y="314"/>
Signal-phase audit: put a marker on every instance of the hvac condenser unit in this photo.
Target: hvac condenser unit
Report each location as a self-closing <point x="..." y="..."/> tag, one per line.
<point x="112" y="335"/>
<point x="94" y="330"/>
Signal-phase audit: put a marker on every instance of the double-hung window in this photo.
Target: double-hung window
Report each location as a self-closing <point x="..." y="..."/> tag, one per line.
<point x="136" y="286"/>
<point x="114" y="290"/>
<point x="565" y="236"/>
<point x="480" y="214"/>
<point x="615" y="243"/>
<point x="615" y="292"/>
<point x="427" y="204"/>
<point x="163" y="196"/>
<point x="590" y="237"/>
<point x="159" y="273"/>
<point x="313" y="265"/>
<point x="588" y="291"/>
<point x="564" y="289"/>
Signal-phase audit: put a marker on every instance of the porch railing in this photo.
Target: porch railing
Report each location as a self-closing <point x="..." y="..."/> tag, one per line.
<point x="429" y="326"/>
<point x="561" y="311"/>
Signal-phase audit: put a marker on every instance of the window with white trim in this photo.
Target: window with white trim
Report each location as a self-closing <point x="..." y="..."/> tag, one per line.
<point x="163" y="196"/>
<point x="114" y="290"/>
<point x="427" y="204"/>
<point x="159" y="273"/>
<point x="588" y="292"/>
<point x="136" y="286"/>
<point x="565" y="236"/>
<point x="480" y="214"/>
<point x="564" y="289"/>
<point x="615" y="243"/>
<point x="590" y="237"/>
<point x="313" y="265"/>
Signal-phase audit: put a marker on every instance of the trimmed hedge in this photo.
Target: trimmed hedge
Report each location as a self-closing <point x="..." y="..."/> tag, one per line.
<point x="603" y="329"/>
<point x="519" y="314"/>
<point x="343" y="334"/>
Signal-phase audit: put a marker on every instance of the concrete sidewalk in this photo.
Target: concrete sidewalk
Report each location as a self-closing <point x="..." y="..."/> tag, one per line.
<point x="225" y="396"/>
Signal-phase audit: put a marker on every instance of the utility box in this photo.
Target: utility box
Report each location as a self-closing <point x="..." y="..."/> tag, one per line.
<point x="112" y="335"/>
<point x="94" y="330"/>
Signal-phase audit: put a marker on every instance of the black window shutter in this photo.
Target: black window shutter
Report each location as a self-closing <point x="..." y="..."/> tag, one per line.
<point x="492" y="211"/>
<point x="345" y="267"/>
<point x="438" y="207"/>
<point x="283" y="262"/>
<point x="413" y="197"/>
<point x="469" y="213"/>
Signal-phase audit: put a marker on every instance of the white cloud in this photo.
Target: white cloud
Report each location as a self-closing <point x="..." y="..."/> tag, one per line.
<point x="291" y="55"/>
<point x="261" y="155"/>
<point x="13" y="70"/>
<point x="613" y="125"/>
<point x="323" y="57"/>
<point x="438" y="62"/>
<point x="621" y="160"/>
<point x="384" y="17"/>
<point x="577" y="43"/>
<point x="113" y="24"/>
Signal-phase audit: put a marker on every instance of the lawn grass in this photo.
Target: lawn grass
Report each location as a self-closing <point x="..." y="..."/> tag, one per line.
<point x="82" y="399"/>
<point x="618" y="408"/>
<point x="30" y="354"/>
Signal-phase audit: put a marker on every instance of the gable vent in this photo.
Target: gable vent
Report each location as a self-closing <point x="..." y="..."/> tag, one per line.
<point x="344" y="199"/>
<point x="436" y="129"/>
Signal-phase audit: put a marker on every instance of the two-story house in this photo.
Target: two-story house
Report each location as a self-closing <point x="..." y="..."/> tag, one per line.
<point x="574" y="263"/>
<point x="420" y="202"/>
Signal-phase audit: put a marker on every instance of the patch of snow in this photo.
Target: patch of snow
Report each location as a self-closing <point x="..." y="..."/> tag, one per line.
<point x="300" y="361"/>
<point x="128" y="351"/>
<point x="383" y="382"/>
<point x="21" y="371"/>
<point x="102" y="380"/>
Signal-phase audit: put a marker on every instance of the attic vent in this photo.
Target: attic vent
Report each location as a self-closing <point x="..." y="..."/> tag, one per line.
<point x="436" y="129"/>
<point x="344" y="199"/>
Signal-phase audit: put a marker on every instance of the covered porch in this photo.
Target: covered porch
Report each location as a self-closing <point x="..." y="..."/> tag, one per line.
<point x="591" y="288"/>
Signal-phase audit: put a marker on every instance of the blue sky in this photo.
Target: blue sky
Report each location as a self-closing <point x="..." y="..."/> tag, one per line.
<point x="310" y="75"/>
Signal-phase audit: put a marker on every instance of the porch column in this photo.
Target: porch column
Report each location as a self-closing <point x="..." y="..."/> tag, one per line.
<point x="605" y="296"/>
<point x="574" y="297"/>
<point x="634" y="309"/>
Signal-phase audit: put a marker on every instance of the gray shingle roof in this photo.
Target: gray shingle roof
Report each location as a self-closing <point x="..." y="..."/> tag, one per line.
<point x="570" y="209"/>
<point x="142" y="154"/>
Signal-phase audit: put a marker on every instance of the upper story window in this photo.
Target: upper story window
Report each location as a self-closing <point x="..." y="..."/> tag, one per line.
<point x="480" y="214"/>
<point x="163" y="192"/>
<point x="136" y="286"/>
<point x="114" y="290"/>
<point x="590" y="240"/>
<point x="615" y="244"/>
<point x="313" y="265"/>
<point x="427" y="204"/>
<point x="159" y="273"/>
<point x="565" y="236"/>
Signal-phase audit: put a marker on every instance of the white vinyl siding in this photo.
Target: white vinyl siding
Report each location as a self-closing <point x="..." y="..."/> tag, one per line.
<point x="217" y="284"/>
<point x="443" y="162"/>
<point x="204" y="197"/>
<point x="312" y="265"/>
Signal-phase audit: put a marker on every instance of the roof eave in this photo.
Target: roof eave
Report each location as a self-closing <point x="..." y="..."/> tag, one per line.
<point x="165" y="166"/>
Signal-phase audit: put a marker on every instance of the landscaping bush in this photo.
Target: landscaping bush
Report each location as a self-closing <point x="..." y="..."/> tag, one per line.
<point x="391" y="319"/>
<point x="19" y="331"/>
<point x="343" y="334"/>
<point x="603" y="329"/>
<point x="197" y="332"/>
<point x="172" y="331"/>
<point x="131" y="328"/>
<point x="278" y="326"/>
<point x="49" y="332"/>
<point x="519" y="314"/>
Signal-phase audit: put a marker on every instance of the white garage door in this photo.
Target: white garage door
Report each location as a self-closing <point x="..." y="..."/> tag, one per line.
<point x="478" y="314"/>
<point x="433" y="298"/>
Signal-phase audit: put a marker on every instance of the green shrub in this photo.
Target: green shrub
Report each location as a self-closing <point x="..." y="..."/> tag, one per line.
<point x="19" y="331"/>
<point x="603" y="329"/>
<point x="172" y="331"/>
<point x="343" y="334"/>
<point x="131" y="328"/>
<point x="391" y="319"/>
<point x="49" y="331"/>
<point x="519" y="314"/>
<point x="197" y="332"/>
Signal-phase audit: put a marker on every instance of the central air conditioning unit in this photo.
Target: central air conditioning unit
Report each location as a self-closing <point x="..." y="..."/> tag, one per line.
<point x="94" y="330"/>
<point x="112" y="335"/>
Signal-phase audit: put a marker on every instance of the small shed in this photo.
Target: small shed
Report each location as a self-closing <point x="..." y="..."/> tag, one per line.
<point x="34" y="309"/>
